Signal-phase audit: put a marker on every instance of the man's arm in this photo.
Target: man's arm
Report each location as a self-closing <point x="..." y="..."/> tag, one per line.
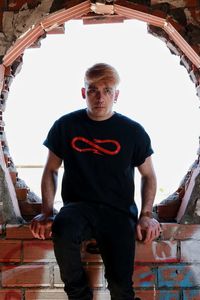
<point x="147" y="226"/>
<point x="41" y="224"/>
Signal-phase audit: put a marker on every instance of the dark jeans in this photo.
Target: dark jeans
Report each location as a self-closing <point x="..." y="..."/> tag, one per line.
<point x="114" y="232"/>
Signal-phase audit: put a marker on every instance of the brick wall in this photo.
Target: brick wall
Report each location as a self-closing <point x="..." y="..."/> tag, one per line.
<point x="167" y="269"/>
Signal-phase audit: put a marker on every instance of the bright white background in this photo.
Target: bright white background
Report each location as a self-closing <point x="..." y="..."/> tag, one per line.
<point x="155" y="91"/>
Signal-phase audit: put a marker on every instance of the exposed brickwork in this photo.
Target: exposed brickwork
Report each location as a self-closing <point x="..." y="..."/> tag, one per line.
<point x="41" y="251"/>
<point x="43" y="294"/>
<point x="164" y="251"/>
<point x="12" y="294"/>
<point x="18" y="232"/>
<point x="178" y="276"/>
<point x="190" y="251"/>
<point x="10" y="251"/>
<point x="20" y="15"/>
<point x="169" y="269"/>
<point x="191" y="295"/>
<point x="26" y="276"/>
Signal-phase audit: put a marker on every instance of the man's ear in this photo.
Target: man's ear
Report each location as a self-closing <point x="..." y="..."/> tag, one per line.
<point x="83" y="92"/>
<point x="116" y="96"/>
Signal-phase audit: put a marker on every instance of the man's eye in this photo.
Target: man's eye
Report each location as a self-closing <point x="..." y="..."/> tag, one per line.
<point x="92" y="91"/>
<point x="108" y="91"/>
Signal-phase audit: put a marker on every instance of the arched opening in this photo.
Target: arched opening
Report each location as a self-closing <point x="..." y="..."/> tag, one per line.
<point x="148" y="93"/>
<point x="37" y="32"/>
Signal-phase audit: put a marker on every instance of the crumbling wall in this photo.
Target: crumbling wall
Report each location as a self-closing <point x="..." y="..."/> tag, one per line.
<point x="18" y="17"/>
<point x="17" y="20"/>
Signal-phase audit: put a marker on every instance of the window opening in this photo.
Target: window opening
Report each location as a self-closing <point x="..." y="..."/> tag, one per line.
<point x="154" y="90"/>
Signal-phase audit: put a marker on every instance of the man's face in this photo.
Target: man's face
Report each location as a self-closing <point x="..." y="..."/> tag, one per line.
<point x="100" y="97"/>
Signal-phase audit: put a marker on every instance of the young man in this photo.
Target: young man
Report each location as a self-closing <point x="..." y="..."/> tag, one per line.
<point x="100" y="149"/>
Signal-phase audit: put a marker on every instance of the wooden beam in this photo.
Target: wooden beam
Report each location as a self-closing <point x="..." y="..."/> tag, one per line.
<point x="102" y="19"/>
<point x="58" y="30"/>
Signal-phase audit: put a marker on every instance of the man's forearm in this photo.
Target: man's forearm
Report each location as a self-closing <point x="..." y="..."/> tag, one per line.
<point x="48" y="188"/>
<point x="148" y="192"/>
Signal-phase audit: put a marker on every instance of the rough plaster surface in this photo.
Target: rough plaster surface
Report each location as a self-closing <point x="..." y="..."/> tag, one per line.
<point x="185" y="17"/>
<point x="7" y="212"/>
<point x="15" y="24"/>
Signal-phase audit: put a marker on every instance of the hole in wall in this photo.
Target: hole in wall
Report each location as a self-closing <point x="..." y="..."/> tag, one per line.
<point x="155" y="90"/>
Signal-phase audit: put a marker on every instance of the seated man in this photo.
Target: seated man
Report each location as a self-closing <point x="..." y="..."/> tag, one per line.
<point x="100" y="149"/>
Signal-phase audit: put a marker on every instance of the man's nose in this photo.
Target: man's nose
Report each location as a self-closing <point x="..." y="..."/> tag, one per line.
<point x="99" y="95"/>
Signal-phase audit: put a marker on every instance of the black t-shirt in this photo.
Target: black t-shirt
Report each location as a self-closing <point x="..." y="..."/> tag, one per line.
<point x="99" y="158"/>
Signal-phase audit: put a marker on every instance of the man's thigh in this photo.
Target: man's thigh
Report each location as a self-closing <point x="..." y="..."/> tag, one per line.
<point x="73" y="221"/>
<point x="116" y="239"/>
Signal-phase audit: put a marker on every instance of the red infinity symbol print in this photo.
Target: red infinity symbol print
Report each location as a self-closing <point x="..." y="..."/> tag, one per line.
<point x="94" y="147"/>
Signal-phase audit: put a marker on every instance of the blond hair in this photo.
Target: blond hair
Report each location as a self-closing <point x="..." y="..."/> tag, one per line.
<point x="101" y="72"/>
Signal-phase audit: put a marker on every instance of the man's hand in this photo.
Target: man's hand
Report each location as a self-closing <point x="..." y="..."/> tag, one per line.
<point x="148" y="229"/>
<point x="41" y="226"/>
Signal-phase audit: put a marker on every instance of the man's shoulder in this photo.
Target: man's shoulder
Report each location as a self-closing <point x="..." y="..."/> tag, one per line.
<point x="128" y="121"/>
<point x="74" y="115"/>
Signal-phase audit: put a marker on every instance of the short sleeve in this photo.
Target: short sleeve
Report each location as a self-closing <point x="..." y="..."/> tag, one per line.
<point x="143" y="148"/>
<point x="53" y="140"/>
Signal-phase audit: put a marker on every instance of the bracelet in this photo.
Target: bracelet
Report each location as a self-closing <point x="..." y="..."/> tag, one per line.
<point x="146" y="214"/>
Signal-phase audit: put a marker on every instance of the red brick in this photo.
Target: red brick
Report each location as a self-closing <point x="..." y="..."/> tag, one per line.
<point x="43" y="294"/>
<point x="158" y="295"/>
<point x="21" y="193"/>
<point x="159" y="13"/>
<point x="38" y="250"/>
<point x="8" y="71"/>
<point x="191" y="294"/>
<point x="196" y="48"/>
<point x="150" y="295"/>
<point x="89" y="257"/>
<point x="59" y="294"/>
<point x="176" y="25"/>
<point x="10" y="294"/>
<point x="144" y="276"/>
<point x="26" y="276"/>
<point x="190" y="251"/>
<point x="190" y="231"/>
<point x="169" y="230"/>
<point x="92" y="19"/>
<point x="30" y="209"/>
<point x="178" y="276"/>
<point x="13" y="176"/>
<point x="167" y="212"/>
<point x="18" y="232"/>
<point x="95" y="276"/>
<point x="10" y="251"/>
<point x="173" y="231"/>
<point x="135" y="6"/>
<point x="162" y="251"/>
<point x="57" y="30"/>
<point x="192" y="3"/>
